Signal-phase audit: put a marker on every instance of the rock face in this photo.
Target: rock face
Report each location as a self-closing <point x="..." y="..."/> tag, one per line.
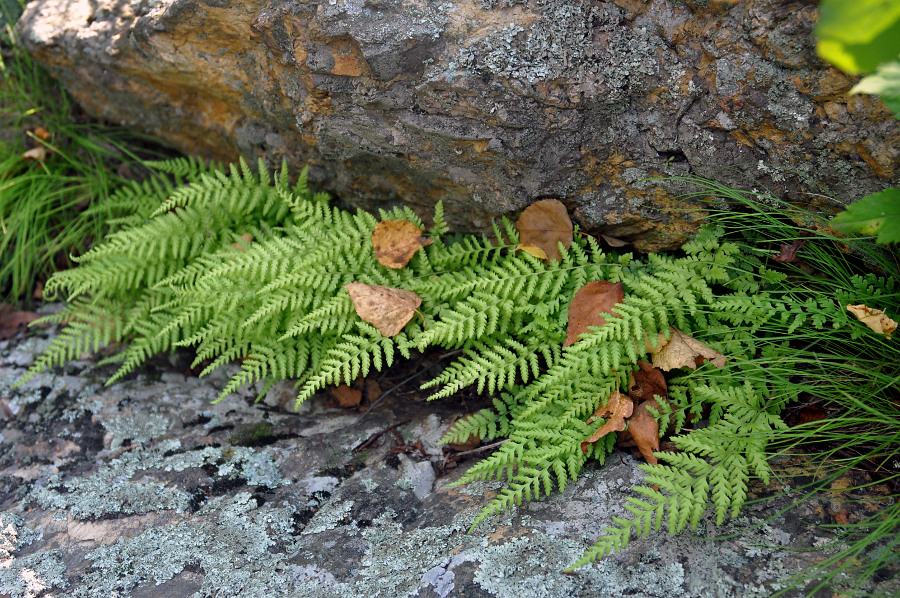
<point x="485" y="104"/>
<point x="146" y="489"/>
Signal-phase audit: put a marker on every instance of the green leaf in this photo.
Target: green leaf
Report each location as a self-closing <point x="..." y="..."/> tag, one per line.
<point x="858" y="35"/>
<point x="878" y="213"/>
<point x="884" y="83"/>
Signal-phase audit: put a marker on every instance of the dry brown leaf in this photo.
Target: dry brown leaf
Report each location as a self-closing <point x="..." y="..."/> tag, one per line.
<point x="347" y="397"/>
<point x="532" y="249"/>
<point x="546" y="223"/>
<point x="593" y="298"/>
<point x="396" y="242"/>
<point x="643" y="429"/>
<point x="373" y="390"/>
<point x="683" y="351"/>
<point x="617" y="408"/>
<point x="38" y="153"/>
<point x="841" y="517"/>
<point x="788" y="253"/>
<point x="472" y="442"/>
<point x="875" y="319"/>
<point x="614" y="241"/>
<point x="646" y="383"/>
<point x="247" y="238"/>
<point x="386" y="308"/>
<point x="13" y="321"/>
<point x="805" y="415"/>
<point x="42" y="133"/>
<point x="661" y="341"/>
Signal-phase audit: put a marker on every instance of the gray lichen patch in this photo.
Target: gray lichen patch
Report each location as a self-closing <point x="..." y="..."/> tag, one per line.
<point x="14" y="534"/>
<point x="529" y="567"/>
<point x="230" y="541"/>
<point x="329" y="517"/>
<point x="560" y="44"/>
<point x="32" y="575"/>
<point x="28" y="576"/>
<point x="118" y="486"/>
<point x="138" y="428"/>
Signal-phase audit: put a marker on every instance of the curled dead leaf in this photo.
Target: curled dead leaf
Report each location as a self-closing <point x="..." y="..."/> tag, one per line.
<point x="532" y="249"/>
<point x="373" y="390"/>
<point x="643" y="430"/>
<point x="682" y="350"/>
<point x="617" y="408"/>
<point x="614" y="241"/>
<point x="38" y="153"/>
<point x="594" y="298"/>
<point x="646" y="383"/>
<point x="875" y="319"/>
<point x="788" y="253"/>
<point x="396" y="242"/>
<point x="386" y="308"/>
<point x="546" y="223"/>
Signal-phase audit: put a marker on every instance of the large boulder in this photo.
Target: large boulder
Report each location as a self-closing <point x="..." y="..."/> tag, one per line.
<point x="485" y="104"/>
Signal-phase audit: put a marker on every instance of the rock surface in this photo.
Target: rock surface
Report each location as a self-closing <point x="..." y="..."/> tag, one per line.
<point x="146" y="489"/>
<point x="485" y="104"/>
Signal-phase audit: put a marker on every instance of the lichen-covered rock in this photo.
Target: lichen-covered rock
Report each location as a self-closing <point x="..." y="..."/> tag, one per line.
<point x="488" y="104"/>
<point x="147" y="489"/>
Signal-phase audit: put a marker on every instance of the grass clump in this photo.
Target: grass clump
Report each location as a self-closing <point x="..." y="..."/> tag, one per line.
<point x="843" y="379"/>
<point x="58" y="170"/>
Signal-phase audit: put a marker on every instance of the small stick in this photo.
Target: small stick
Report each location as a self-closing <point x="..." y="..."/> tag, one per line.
<point x="378" y="435"/>
<point x="396" y="386"/>
<point x="480" y="449"/>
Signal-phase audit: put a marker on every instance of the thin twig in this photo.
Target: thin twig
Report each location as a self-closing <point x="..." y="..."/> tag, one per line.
<point x="396" y="386"/>
<point x="378" y="435"/>
<point x="481" y="449"/>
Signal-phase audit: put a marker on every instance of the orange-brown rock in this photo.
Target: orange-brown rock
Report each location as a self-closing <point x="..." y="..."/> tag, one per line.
<point x="487" y="105"/>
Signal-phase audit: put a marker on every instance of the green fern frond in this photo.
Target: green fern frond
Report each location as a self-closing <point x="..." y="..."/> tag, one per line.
<point x="181" y="272"/>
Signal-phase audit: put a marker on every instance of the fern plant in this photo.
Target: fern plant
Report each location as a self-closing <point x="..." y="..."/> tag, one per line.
<point x="245" y="267"/>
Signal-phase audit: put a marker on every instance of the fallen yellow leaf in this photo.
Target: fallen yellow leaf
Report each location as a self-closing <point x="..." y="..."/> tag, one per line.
<point x="396" y="242"/>
<point x="533" y="250"/>
<point x="875" y="319"/>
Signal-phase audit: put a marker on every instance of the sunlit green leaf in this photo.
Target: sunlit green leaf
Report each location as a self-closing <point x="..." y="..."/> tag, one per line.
<point x="876" y="214"/>
<point x="885" y="82"/>
<point x="858" y="35"/>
